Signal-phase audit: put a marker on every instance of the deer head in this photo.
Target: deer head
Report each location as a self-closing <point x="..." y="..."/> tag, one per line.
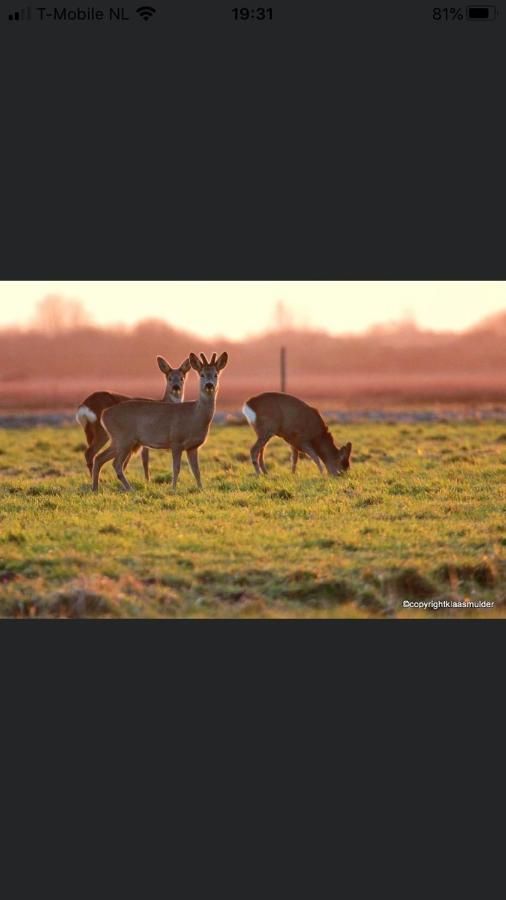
<point x="336" y="459"/>
<point x="209" y="372"/>
<point x="175" y="377"/>
<point x="342" y="459"/>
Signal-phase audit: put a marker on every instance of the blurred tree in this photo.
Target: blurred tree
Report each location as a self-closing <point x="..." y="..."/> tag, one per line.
<point x="283" y="317"/>
<point x="55" y="314"/>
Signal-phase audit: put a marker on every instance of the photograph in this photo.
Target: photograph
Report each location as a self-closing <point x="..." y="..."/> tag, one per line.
<point x="252" y="441"/>
<point x="252" y="449"/>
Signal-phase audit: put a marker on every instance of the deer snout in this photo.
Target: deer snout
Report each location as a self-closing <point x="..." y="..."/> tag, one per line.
<point x="176" y="388"/>
<point x="209" y="387"/>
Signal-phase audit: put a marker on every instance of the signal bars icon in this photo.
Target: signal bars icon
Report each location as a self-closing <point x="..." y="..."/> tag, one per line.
<point x="146" y="12"/>
<point x="21" y="15"/>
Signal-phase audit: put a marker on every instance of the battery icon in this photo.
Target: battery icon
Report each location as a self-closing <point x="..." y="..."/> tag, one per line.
<point x="481" y="13"/>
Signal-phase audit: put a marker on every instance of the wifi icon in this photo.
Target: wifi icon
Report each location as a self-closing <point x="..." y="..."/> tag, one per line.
<point x="146" y="12"/>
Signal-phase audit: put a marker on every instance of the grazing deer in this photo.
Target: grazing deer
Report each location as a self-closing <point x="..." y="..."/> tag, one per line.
<point x="148" y="423"/>
<point x="299" y="425"/>
<point x="90" y="412"/>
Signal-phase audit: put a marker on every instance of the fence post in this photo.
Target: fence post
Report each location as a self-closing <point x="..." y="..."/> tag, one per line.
<point x="283" y="369"/>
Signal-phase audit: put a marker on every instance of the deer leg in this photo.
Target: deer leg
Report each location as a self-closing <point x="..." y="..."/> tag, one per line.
<point x="261" y="460"/>
<point x="145" y="462"/>
<point x="120" y="460"/>
<point x="88" y="453"/>
<point x="98" y="462"/>
<point x="255" y="451"/>
<point x="193" y="459"/>
<point x="129" y="457"/>
<point x="97" y="437"/>
<point x="295" y="457"/>
<point x="89" y="456"/>
<point x="314" y="456"/>
<point x="176" y="466"/>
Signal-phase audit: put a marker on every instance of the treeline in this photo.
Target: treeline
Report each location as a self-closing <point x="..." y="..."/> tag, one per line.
<point x="93" y="351"/>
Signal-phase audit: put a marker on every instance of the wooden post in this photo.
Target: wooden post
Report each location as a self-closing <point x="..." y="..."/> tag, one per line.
<point x="283" y="369"/>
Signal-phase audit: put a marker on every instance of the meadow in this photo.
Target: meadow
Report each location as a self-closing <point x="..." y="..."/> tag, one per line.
<point x="419" y="517"/>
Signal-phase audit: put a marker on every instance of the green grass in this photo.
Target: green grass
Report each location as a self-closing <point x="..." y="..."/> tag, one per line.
<point x="420" y="516"/>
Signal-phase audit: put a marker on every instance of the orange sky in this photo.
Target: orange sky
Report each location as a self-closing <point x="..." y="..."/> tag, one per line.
<point x="235" y="309"/>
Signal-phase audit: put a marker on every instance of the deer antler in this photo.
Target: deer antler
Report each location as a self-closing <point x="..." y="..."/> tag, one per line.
<point x="213" y="359"/>
<point x="204" y="360"/>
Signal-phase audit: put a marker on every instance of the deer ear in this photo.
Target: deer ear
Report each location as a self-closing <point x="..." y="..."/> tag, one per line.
<point x="222" y="361"/>
<point x="195" y="362"/>
<point x="185" y="366"/>
<point x="163" y="365"/>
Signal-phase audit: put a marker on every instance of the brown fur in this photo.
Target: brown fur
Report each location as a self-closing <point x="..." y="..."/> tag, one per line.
<point x="178" y="427"/>
<point x="299" y="425"/>
<point x="99" y="401"/>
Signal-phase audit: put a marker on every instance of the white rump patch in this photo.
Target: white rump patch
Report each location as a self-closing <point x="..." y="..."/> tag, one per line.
<point x="85" y="414"/>
<point x="249" y="413"/>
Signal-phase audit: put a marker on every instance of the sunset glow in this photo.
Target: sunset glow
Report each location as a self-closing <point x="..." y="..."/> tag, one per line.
<point x="237" y="309"/>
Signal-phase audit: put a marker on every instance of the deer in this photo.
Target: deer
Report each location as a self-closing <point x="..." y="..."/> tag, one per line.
<point x="299" y="425"/>
<point x="164" y="426"/>
<point x="90" y="412"/>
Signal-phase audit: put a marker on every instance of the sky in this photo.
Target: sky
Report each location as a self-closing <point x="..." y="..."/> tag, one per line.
<point x="235" y="309"/>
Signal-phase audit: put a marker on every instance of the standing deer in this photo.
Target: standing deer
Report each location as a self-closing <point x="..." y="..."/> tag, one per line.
<point x="299" y="425"/>
<point x="90" y="412"/>
<point x="164" y="426"/>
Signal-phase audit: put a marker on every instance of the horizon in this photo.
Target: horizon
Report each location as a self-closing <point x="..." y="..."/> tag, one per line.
<point x="239" y="310"/>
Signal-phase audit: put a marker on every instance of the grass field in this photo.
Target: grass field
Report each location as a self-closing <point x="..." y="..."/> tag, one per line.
<point x="419" y="517"/>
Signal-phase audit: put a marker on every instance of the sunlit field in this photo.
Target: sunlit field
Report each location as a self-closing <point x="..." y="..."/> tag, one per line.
<point x="419" y="517"/>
